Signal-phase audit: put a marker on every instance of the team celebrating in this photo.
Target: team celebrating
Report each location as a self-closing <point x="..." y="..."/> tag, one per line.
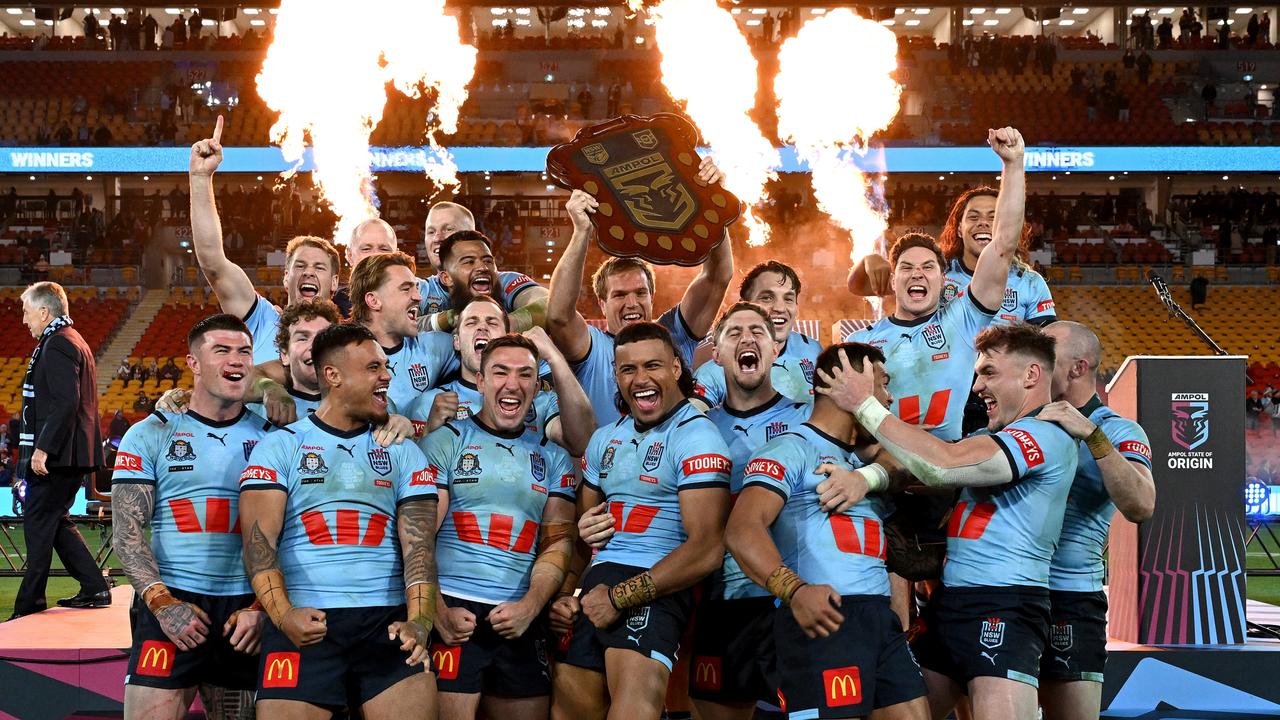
<point x="452" y="496"/>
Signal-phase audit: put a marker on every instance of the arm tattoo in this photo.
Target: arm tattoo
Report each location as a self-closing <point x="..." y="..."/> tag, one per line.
<point x="416" y="525"/>
<point x="259" y="552"/>
<point x="262" y="564"/>
<point x="131" y="508"/>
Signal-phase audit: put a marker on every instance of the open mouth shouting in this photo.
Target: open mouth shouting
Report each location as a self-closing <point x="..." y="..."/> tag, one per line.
<point x="480" y="344"/>
<point x="749" y="361"/>
<point x="309" y="290"/>
<point x="646" y="400"/>
<point x="992" y="405"/>
<point x="482" y="283"/>
<point x="509" y="407"/>
<point x="982" y="237"/>
<point x="412" y="312"/>
<point x="380" y="397"/>
<point x="632" y="316"/>
<point x="917" y="291"/>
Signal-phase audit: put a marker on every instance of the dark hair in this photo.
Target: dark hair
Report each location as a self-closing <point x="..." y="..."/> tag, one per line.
<point x="461" y="236"/>
<point x="639" y="332"/>
<point x="949" y="239"/>
<point x="213" y="323"/>
<point x="772" y="266"/>
<point x="512" y="340"/>
<point x="738" y="307"/>
<point x="301" y="311"/>
<point x="1027" y="340"/>
<point x="459" y="305"/>
<point x="369" y="274"/>
<point x="334" y="338"/>
<point x="915" y="240"/>
<point x="829" y="359"/>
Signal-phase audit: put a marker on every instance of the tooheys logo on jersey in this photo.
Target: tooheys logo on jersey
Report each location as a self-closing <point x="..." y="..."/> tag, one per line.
<point x="257" y="472"/>
<point x="1136" y="448"/>
<point x="768" y="468"/>
<point x="1031" y="452"/>
<point x="516" y="282"/>
<point x="709" y="463"/>
<point x="128" y="461"/>
<point x="1190" y="430"/>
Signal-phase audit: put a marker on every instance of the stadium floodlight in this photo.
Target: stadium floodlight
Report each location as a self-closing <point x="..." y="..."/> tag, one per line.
<point x="1256" y="494"/>
<point x="1080" y="11"/>
<point x="27" y="23"/>
<point x="818" y="11"/>
<point x="889" y="23"/>
<point x="758" y="11"/>
<point x="257" y="22"/>
<point x="1066" y="23"/>
<point x="966" y="22"/>
<point x="1165" y="11"/>
<point x="1003" y="11"/>
<point x="977" y="11"/>
<point x="752" y="22"/>
<point x="911" y="23"/>
<point x="922" y="11"/>
<point x="251" y="11"/>
<point x="1243" y="11"/>
<point x="15" y="11"/>
<point x="990" y="23"/>
<point x="523" y="11"/>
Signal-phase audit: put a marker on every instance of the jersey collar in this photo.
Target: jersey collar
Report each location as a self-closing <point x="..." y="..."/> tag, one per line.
<point x="303" y="395"/>
<point x="467" y="383"/>
<point x="777" y="397"/>
<point x="642" y="427"/>
<point x="394" y="348"/>
<point x="217" y="423"/>
<point x="354" y="432"/>
<point x="1090" y="407"/>
<point x="504" y="434"/>
<point x="913" y="323"/>
<point x="847" y="447"/>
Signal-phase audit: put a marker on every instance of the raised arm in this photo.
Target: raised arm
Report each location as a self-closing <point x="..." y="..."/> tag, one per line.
<point x="565" y="324"/>
<point x="701" y="301"/>
<point x="572" y="429"/>
<point x="234" y="288"/>
<point x="992" y="273"/>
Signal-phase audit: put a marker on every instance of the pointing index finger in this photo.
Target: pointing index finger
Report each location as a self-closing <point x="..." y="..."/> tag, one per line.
<point x="217" y="130"/>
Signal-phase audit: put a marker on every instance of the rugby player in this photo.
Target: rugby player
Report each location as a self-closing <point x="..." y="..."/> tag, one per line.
<point x="311" y="263"/>
<point x="776" y="288"/>
<point x="841" y="649"/>
<point x="501" y="489"/>
<point x="197" y="624"/>
<point x="1113" y="472"/>
<point x="624" y="289"/>
<point x="660" y="477"/>
<point x="987" y="624"/>
<point x="340" y="549"/>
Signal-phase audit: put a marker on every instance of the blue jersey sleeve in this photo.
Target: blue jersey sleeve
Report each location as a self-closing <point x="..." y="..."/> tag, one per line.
<point x="1025" y="444"/>
<point x="967" y="316"/>
<point x="1129" y="439"/>
<point x="262" y="321"/>
<point x="561" y="480"/>
<point x="438" y="449"/>
<point x="513" y="284"/>
<point x="710" y="382"/>
<point x="1038" y="308"/>
<point x="136" y="458"/>
<point x="703" y="456"/>
<point x="683" y="337"/>
<point x="591" y="460"/>
<point x="270" y="463"/>
<point x="546" y="405"/>
<point x="416" y="480"/>
<point x="772" y="470"/>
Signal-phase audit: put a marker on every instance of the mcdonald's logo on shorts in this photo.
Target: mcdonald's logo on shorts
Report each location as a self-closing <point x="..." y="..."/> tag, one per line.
<point x="155" y="658"/>
<point x="445" y="660"/>
<point x="843" y="686"/>
<point x="281" y="670"/>
<point x="706" y="673"/>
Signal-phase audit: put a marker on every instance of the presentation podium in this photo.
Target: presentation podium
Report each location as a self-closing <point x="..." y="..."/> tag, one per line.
<point x="1179" y="578"/>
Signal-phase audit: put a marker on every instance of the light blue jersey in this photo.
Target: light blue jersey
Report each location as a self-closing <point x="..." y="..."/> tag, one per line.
<point x="1077" y="564"/>
<point x="544" y="409"/>
<point x="1026" y="296"/>
<point x="418" y="364"/>
<point x="304" y="403"/>
<point x="195" y="465"/>
<point x="641" y="472"/>
<point x="263" y="320"/>
<point x="930" y="363"/>
<point x="844" y="550"/>
<point x="498" y="485"/>
<point x="595" y="371"/>
<point x="1006" y="534"/>
<point x="745" y="433"/>
<point x="338" y="546"/>
<point x="436" y="298"/>
<point x="792" y="372"/>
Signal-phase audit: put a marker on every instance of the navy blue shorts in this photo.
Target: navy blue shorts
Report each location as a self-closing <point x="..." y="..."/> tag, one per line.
<point x="489" y="663"/>
<point x="653" y="630"/>
<point x="985" y="632"/>
<point x="1077" y="648"/>
<point x="156" y="662"/>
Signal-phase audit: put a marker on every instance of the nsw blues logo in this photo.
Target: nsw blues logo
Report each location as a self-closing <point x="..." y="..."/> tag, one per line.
<point x="538" y="467"/>
<point x="1190" y="419"/>
<point x="1010" y="300"/>
<point x="774" y="429"/>
<point x="653" y="457"/>
<point x="249" y="445"/>
<point x="806" y="367"/>
<point x="934" y="337"/>
<point x="992" y="633"/>
<point x="1061" y="636"/>
<point x="418" y="376"/>
<point x="380" y="460"/>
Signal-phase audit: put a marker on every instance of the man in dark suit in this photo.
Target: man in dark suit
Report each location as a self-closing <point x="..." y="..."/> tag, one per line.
<point x="60" y="441"/>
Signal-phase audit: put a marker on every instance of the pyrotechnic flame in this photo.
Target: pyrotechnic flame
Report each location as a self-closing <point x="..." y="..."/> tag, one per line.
<point x="829" y="123"/>
<point x="328" y="82"/>
<point x="707" y="63"/>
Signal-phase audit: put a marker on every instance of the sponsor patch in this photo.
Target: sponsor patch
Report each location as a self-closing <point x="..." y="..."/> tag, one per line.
<point x="768" y="468"/>
<point x="1031" y="452"/>
<point x="281" y="669"/>
<point x="1135" y="447"/>
<point x="155" y="658"/>
<point x="257" y="472"/>
<point x="842" y="686"/>
<point x="128" y="461"/>
<point x="992" y="633"/>
<point x="425" y="476"/>
<point x="709" y="463"/>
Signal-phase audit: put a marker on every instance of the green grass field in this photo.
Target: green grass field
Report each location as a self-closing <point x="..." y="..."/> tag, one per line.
<point x="1264" y="589"/>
